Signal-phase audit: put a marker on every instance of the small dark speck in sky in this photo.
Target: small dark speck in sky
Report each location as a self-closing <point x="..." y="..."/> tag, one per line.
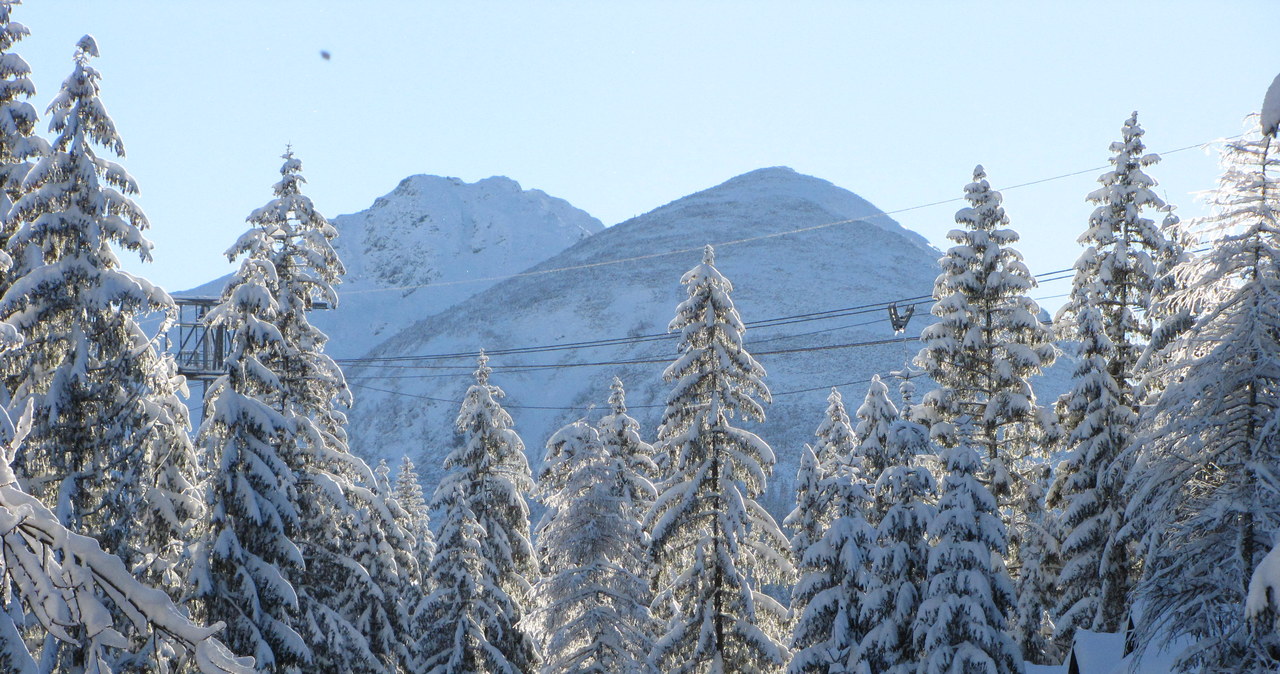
<point x="324" y="54"/>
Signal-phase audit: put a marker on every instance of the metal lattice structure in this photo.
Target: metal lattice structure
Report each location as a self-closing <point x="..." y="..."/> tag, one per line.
<point x="201" y="351"/>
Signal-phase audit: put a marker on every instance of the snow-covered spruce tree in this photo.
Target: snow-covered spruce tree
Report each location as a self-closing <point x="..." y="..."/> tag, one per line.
<point x="248" y="561"/>
<point x="712" y="543"/>
<point x="172" y="512"/>
<point x="109" y="449"/>
<point x="408" y="493"/>
<point x="1094" y="581"/>
<point x="878" y="447"/>
<point x="828" y="599"/>
<point x="1115" y="280"/>
<point x="809" y="519"/>
<point x="960" y="626"/>
<point x="902" y="494"/>
<point x="620" y="435"/>
<point x="335" y="490"/>
<point x="831" y="545"/>
<point x="1121" y="264"/>
<point x="484" y="561"/>
<point x="815" y="509"/>
<point x="1037" y="558"/>
<point x="74" y="592"/>
<point x="414" y="518"/>
<point x="466" y="608"/>
<point x="1204" y="480"/>
<point x="836" y="438"/>
<point x="986" y="345"/>
<point x="382" y="545"/>
<point x="19" y="147"/>
<point x="86" y="363"/>
<point x="592" y="610"/>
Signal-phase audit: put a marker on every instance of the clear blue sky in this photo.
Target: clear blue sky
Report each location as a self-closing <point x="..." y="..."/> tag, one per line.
<point x="620" y="107"/>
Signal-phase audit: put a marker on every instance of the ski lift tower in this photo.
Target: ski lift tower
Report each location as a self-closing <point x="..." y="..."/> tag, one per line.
<point x="200" y="350"/>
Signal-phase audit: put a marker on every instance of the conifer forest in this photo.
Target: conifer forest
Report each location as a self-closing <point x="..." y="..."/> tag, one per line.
<point x="944" y="517"/>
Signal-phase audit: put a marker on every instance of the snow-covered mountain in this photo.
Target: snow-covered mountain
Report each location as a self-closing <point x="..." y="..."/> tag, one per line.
<point x="581" y="294"/>
<point x="431" y="243"/>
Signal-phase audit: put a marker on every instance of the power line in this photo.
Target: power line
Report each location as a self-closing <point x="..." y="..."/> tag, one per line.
<point x="537" y="367"/>
<point x="583" y="407"/>
<point x="842" y="312"/>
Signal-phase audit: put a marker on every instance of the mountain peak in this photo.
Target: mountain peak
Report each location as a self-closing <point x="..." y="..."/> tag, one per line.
<point x="776" y="192"/>
<point x="425" y="184"/>
<point x="770" y="173"/>
<point x="446" y="238"/>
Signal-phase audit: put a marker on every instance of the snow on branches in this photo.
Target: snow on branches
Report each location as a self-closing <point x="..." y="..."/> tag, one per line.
<point x="713" y="544"/>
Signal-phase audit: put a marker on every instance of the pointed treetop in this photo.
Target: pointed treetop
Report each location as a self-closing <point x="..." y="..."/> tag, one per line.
<point x="86" y="47"/>
<point x="979" y="173"/>
<point x="618" y="397"/>
<point x="291" y="182"/>
<point x="291" y="163"/>
<point x="708" y="255"/>
<point x="835" y="396"/>
<point x="482" y="369"/>
<point x="877" y="388"/>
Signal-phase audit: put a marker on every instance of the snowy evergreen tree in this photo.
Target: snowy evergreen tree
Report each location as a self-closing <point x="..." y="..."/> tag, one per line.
<point x="77" y="594"/>
<point x="335" y="490"/>
<point x="466" y="610"/>
<point x="713" y="544"/>
<point x="828" y="599"/>
<point x="878" y="423"/>
<point x="248" y="560"/>
<point x="19" y="147"/>
<point x="832" y="544"/>
<point x="417" y="544"/>
<point x="592" y="599"/>
<point x="408" y="493"/>
<point x="836" y="438"/>
<point x="1119" y="270"/>
<point x="484" y="560"/>
<point x="1116" y="280"/>
<point x="86" y="360"/>
<point x="172" y="511"/>
<point x="986" y="345"/>
<point x="285" y="488"/>
<point x="809" y="519"/>
<point x="988" y="341"/>
<point x="1037" y="558"/>
<point x="620" y="434"/>
<point x="381" y="544"/>
<point x="960" y="626"/>
<point x="1095" y="579"/>
<point x="1204" y="480"/>
<point x="903" y="496"/>
<point x="109" y="450"/>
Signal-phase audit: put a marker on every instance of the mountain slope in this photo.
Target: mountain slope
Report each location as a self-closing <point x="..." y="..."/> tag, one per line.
<point x="430" y="243"/>
<point x="407" y="406"/>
